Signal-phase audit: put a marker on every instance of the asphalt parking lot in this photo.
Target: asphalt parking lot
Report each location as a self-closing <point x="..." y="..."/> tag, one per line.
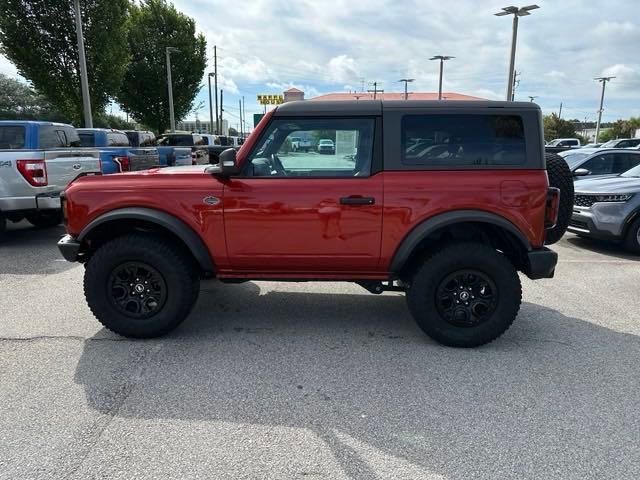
<point x="281" y="381"/>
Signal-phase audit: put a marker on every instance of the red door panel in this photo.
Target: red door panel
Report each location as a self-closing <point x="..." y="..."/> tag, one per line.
<point x="300" y="224"/>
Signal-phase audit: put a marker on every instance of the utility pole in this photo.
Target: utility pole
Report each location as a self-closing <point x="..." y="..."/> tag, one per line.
<point x="362" y="80"/>
<point x="215" y="80"/>
<point x="604" y="81"/>
<point x="84" y="82"/>
<point x="442" y="59"/>
<point x="560" y="111"/>
<point x="240" y="108"/>
<point x="517" y="13"/>
<point x="172" y="119"/>
<point x="375" y="90"/>
<point x="210" y="104"/>
<point x="406" y="81"/>
<point x="516" y="84"/>
<point x="244" y="117"/>
<point x="221" y="110"/>
<point x="532" y="97"/>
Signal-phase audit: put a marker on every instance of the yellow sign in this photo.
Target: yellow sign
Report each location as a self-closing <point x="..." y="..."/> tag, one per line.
<point x="270" y="99"/>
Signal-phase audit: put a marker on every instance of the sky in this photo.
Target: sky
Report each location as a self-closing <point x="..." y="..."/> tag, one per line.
<point x="323" y="46"/>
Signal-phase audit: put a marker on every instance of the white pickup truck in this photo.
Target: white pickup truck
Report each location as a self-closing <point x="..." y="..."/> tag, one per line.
<point x="37" y="161"/>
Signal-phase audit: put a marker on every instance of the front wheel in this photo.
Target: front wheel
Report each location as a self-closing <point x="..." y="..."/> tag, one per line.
<point x="465" y="295"/>
<point x="140" y="286"/>
<point x="632" y="238"/>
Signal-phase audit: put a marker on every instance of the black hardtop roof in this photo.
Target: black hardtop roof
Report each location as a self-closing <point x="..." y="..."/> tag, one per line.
<point x="375" y="107"/>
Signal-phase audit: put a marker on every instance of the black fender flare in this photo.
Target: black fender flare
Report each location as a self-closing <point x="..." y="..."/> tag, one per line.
<point x="176" y="226"/>
<point x="427" y="227"/>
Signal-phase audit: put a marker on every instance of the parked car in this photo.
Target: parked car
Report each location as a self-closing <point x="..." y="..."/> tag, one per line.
<point x="592" y="145"/>
<point x="562" y="144"/>
<point x="299" y="144"/>
<point x="450" y="233"/>
<point x="37" y="161"/>
<point x="609" y="209"/>
<point x="595" y="163"/>
<point x="141" y="138"/>
<point x="167" y="156"/>
<point x="326" y="146"/>
<point x="168" y="141"/>
<point x="622" y="143"/>
<point x="116" y="154"/>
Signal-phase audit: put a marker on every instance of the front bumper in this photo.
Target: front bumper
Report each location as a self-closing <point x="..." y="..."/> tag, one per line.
<point x="541" y="263"/>
<point x="69" y="248"/>
<point x="603" y="221"/>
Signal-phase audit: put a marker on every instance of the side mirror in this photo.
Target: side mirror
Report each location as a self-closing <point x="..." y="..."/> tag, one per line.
<point x="581" y="172"/>
<point x="227" y="166"/>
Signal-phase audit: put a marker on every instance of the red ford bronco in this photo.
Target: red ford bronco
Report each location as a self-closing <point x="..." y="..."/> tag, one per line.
<point x="445" y="201"/>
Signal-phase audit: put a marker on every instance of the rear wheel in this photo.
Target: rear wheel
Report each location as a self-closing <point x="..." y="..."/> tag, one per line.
<point x="45" y="219"/>
<point x="465" y="295"/>
<point x="140" y="286"/>
<point x="560" y="177"/>
<point x="632" y="238"/>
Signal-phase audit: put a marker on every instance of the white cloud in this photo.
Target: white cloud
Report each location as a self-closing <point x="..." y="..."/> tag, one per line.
<point x="341" y="69"/>
<point x="555" y="74"/>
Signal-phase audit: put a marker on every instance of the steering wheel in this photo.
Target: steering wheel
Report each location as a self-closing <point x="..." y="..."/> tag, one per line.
<point x="277" y="165"/>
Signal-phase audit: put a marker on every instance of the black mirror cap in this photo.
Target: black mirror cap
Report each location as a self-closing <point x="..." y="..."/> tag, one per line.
<point x="227" y="166"/>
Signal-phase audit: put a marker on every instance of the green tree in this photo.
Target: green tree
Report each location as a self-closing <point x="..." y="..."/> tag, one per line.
<point x="625" y="128"/>
<point x="39" y="37"/>
<point x="19" y="101"/>
<point x="606" y="135"/>
<point x="556" y="127"/>
<point x="155" y="25"/>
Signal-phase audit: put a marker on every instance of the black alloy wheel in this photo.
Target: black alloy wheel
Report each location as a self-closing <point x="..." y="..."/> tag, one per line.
<point x="466" y="298"/>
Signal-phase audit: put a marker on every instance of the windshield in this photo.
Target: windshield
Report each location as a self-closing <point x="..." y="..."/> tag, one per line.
<point x="634" y="172"/>
<point x="575" y="158"/>
<point x="609" y="144"/>
<point x="554" y="143"/>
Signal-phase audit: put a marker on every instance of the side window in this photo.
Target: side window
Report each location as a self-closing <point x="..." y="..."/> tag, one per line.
<point x="62" y="138"/>
<point x="462" y="140"/>
<point x="72" y="137"/>
<point x="634" y="142"/>
<point x="87" y="139"/>
<point x="48" y="137"/>
<point x="343" y="147"/>
<point x="627" y="162"/>
<point x="198" y="140"/>
<point x="148" y="140"/>
<point x="600" y="165"/>
<point x="12" y="137"/>
<point x="116" y="139"/>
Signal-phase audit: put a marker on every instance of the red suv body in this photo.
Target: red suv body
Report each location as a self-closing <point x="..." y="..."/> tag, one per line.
<point x="407" y="183"/>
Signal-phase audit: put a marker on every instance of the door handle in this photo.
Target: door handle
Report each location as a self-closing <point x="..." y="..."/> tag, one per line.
<point x="355" y="200"/>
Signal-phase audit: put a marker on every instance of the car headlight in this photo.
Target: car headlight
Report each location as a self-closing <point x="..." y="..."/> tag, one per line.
<point x="623" y="197"/>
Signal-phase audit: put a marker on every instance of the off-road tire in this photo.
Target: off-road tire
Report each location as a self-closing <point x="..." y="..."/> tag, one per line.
<point x="560" y="177"/>
<point x="45" y="219"/>
<point x="426" y="282"/>
<point x="632" y="237"/>
<point x="172" y="263"/>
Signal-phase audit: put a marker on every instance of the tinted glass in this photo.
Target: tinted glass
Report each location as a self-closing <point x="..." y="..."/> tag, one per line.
<point x="117" y="139"/>
<point x="463" y="140"/>
<point x="175" y="140"/>
<point x="600" y="164"/>
<point x="626" y="161"/>
<point x="11" y="137"/>
<point x="634" y="172"/>
<point x="48" y="137"/>
<point x="575" y="158"/>
<point x="87" y="139"/>
<point x="198" y="140"/>
<point x="349" y="152"/>
<point x="134" y="138"/>
<point x="148" y="140"/>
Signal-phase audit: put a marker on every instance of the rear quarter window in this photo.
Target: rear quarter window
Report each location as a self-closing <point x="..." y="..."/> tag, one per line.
<point x="116" y="139"/>
<point x="87" y="139"/>
<point x="51" y="136"/>
<point x="12" y="137"/>
<point x="459" y="140"/>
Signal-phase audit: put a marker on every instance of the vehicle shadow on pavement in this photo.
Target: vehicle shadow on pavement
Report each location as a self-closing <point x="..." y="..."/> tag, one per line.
<point x="555" y="396"/>
<point x="611" y="249"/>
<point x="27" y="250"/>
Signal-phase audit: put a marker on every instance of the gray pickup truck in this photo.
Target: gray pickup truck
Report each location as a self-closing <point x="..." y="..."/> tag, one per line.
<point x="37" y="161"/>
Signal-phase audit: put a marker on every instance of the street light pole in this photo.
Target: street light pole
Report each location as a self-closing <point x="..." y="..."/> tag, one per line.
<point x="517" y="13"/>
<point x="604" y="81"/>
<point x="442" y="59"/>
<point x="84" y="82"/>
<point x="406" y="81"/>
<point x="210" y="105"/>
<point x="172" y="119"/>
